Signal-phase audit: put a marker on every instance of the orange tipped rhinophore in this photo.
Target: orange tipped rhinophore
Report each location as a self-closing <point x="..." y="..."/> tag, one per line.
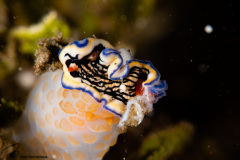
<point x="78" y="113"/>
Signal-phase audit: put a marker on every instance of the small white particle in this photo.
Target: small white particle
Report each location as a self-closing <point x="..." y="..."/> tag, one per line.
<point x="203" y="68"/>
<point x="54" y="156"/>
<point x="26" y="79"/>
<point x="123" y="88"/>
<point x="208" y="29"/>
<point x="20" y="68"/>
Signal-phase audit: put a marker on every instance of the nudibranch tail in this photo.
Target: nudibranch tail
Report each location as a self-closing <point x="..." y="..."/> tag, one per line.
<point x="64" y="124"/>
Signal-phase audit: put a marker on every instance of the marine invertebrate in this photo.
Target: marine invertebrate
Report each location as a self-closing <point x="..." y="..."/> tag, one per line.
<point x="78" y="113"/>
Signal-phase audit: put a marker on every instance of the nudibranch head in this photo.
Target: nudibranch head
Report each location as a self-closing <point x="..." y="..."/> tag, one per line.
<point x="110" y="76"/>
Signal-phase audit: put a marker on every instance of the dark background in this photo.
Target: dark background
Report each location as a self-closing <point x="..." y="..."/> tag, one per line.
<point x="201" y="69"/>
<point x="202" y="74"/>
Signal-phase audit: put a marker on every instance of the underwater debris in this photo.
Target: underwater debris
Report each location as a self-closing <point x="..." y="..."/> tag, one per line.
<point x="8" y="149"/>
<point x="208" y="29"/>
<point x="161" y="145"/>
<point x="25" y="79"/>
<point x="47" y="54"/>
<point x="10" y="104"/>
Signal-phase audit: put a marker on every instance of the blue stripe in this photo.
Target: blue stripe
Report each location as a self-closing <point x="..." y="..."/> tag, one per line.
<point x="107" y="52"/>
<point x="91" y="94"/>
<point x="82" y="43"/>
<point x="59" y="52"/>
<point x="144" y="62"/>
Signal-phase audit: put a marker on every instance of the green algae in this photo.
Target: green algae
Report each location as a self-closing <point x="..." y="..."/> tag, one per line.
<point x="50" y="26"/>
<point x="9" y="112"/>
<point x="162" y="144"/>
<point x="24" y="40"/>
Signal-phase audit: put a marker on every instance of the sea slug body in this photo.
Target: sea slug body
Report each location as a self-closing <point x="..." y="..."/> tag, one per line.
<point x="78" y="112"/>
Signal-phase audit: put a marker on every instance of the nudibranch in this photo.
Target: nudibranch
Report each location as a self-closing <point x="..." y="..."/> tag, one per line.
<point x="78" y="112"/>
